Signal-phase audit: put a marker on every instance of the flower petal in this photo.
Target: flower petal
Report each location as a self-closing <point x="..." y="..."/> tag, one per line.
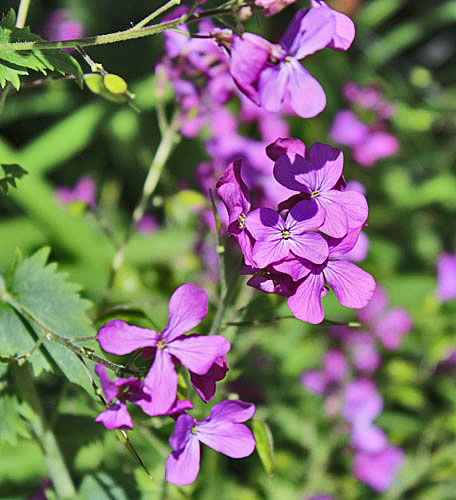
<point x="335" y="224"/>
<point x="109" y="388"/>
<point x="327" y="165"/>
<point x="353" y="286"/>
<point x="264" y="224"/>
<point x="233" y="440"/>
<point x="232" y="410"/>
<point x="121" y="338"/>
<point x="204" y="385"/>
<point x="285" y="145"/>
<point x="305" y="304"/>
<point x="187" y="307"/>
<point x="272" y="86"/>
<point x="198" y="352"/>
<point x="310" y="246"/>
<point x="115" y="417"/>
<point x="161" y="383"/>
<point x="307" y="97"/>
<point x="182" y="432"/>
<point x="353" y="203"/>
<point x="293" y="172"/>
<point x="182" y="468"/>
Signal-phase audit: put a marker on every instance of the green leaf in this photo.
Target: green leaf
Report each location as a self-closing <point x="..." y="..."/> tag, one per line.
<point x="12" y="426"/>
<point x="17" y="63"/>
<point x="100" y="486"/>
<point x="12" y="172"/>
<point x="265" y="444"/>
<point x="45" y="294"/>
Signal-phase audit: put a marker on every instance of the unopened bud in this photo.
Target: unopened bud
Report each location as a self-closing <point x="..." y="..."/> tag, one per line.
<point x="222" y="35"/>
<point x="244" y="13"/>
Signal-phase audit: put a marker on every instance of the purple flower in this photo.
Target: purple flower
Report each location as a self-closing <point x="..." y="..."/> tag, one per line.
<point x="198" y="353"/>
<point x="353" y="286"/>
<point x="446" y="277"/>
<point x="147" y="224"/>
<point x="334" y="371"/>
<point x="378" y="470"/>
<point x="270" y="281"/>
<point x="285" y="84"/>
<point x="60" y="26"/>
<point x="362" y="403"/>
<point x="84" y="191"/>
<point x="276" y="239"/>
<point x="273" y="7"/>
<point x="221" y="431"/>
<point x="317" y="177"/>
<point x="123" y="390"/>
<point x="368" y="438"/>
<point x="364" y="354"/>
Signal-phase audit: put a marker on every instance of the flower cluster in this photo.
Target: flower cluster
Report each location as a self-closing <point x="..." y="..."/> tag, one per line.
<point x="446" y="277"/>
<point x="205" y="359"/>
<point x="296" y="249"/>
<point x="353" y="395"/>
<point x="364" y="129"/>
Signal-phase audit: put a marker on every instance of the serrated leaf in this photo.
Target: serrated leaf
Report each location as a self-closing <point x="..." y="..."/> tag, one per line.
<point x="12" y="426"/>
<point x="46" y="294"/>
<point x="12" y="172"/>
<point x="264" y="444"/>
<point x="17" y="63"/>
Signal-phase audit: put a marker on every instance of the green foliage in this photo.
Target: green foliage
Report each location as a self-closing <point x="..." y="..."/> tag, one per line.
<point x="12" y="173"/>
<point x="14" y="64"/>
<point x="264" y="444"/>
<point x="100" y="486"/>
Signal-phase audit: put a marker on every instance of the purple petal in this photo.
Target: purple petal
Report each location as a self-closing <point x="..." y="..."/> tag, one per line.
<point x="264" y="224"/>
<point x="204" y="385"/>
<point x="446" y="277"/>
<point x="314" y="381"/>
<point x="248" y="58"/>
<point x="353" y="286"/>
<point x="344" y="31"/>
<point x="305" y="304"/>
<point x="182" y="432"/>
<point x="182" y="468"/>
<point x="335" y="224"/>
<point x="161" y="383"/>
<point x="187" y="307"/>
<point x="378" y="470"/>
<point x="327" y="165"/>
<point x="285" y="145"/>
<point x="121" y="338"/>
<point x="273" y="282"/>
<point x="307" y="97"/>
<point x="272" y="86"/>
<point x="364" y="354"/>
<point x="305" y="216"/>
<point x="335" y="365"/>
<point x="372" y="312"/>
<point x="368" y="438"/>
<point x="295" y="267"/>
<point x="362" y="402"/>
<point x="293" y="172"/>
<point x="231" y="410"/>
<point x="359" y="252"/>
<point x="346" y="129"/>
<point x="265" y="253"/>
<point x="309" y="31"/>
<point x="310" y="246"/>
<point x="353" y="203"/>
<point x="109" y="388"/>
<point x="199" y="352"/>
<point x="115" y="417"/>
<point x="338" y="247"/>
<point x="233" y="440"/>
<point x="392" y="327"/>
<point x="376" y="146"/>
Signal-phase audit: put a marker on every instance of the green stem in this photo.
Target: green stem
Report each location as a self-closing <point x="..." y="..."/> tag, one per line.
<point x="53" y="457"/>
<point x="22" y="13"/>
<point x="85" y="352"/>
<point x="167" y="143"/>
<point x="156" y="13"/>
<point x="119" y="36"/>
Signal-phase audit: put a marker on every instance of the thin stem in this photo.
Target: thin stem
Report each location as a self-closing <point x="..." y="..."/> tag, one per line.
<point x="85" y="352"/>
<point x="53" y="457"/>
<point x="22" y="13"/>
<point x="119" y="36"/>
<point x="167" y="143"/>
<point x="156" y="13"/>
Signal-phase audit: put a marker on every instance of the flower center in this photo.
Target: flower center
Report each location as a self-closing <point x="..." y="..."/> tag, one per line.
<point x="285" y="234"/>
<point x="241" y="220"/>
<point x="194" y="430"/>
<point x="314" y="194"/>
<point x="161" y="344"/>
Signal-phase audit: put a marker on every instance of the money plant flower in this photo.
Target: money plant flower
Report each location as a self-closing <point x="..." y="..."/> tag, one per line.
<point x="223" y="431"/>
<point x="198" y="353"/>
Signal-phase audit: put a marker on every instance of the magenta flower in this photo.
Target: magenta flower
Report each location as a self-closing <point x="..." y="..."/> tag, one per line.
<point x="353" y="286"/>
<point x="446" y="277"/>
<point x="286" y="85"/>
<point x="362" y="402"/>
<point x="84" y="191"/>
<point x="198" y="353"/>
<point x="378" y="470"/>
<point x="123" y="390"/>
<point x="222" y="431"/>
<point x="60" y="26"/>
<point x="318" y="177"/>
<point x="272" y="7"/>
<point x="276" y="239"/>
<point x="334" y="371"/>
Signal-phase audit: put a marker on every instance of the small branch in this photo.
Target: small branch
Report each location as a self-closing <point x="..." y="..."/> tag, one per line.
<point x="22" y="13"/>
<point x="156" y="13"/>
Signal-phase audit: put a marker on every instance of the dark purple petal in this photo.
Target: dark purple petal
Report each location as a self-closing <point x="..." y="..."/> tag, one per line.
<point x="199" y="352"/>
<point x="115" y="417"/>
<point x="182" y="432"/>
<point x="204" y="385"/>
<point x="378" y="470"/>
<point x="307" y="97"/>
<point x="293" y="172"/>
<point x="182" y="468"/>
<point x="305" y="304"/>
<point x="233" y="440"/>
<point x="285" y="145"/>
<point x="273" y="282"/>
<point x="187" y="307"/>
<point x="362" y="402"/>
<point x="446" y="277"/>
<point x="120" y="338"/>
<point x="264" y="224"/>
<point x="309" y="31"/>
<point x="161" y="383"/>
<point x="353" y="286"/>
<point x="327" y="165"/>
<point x="231" y="410"/>
<point x="109" y="388"/>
